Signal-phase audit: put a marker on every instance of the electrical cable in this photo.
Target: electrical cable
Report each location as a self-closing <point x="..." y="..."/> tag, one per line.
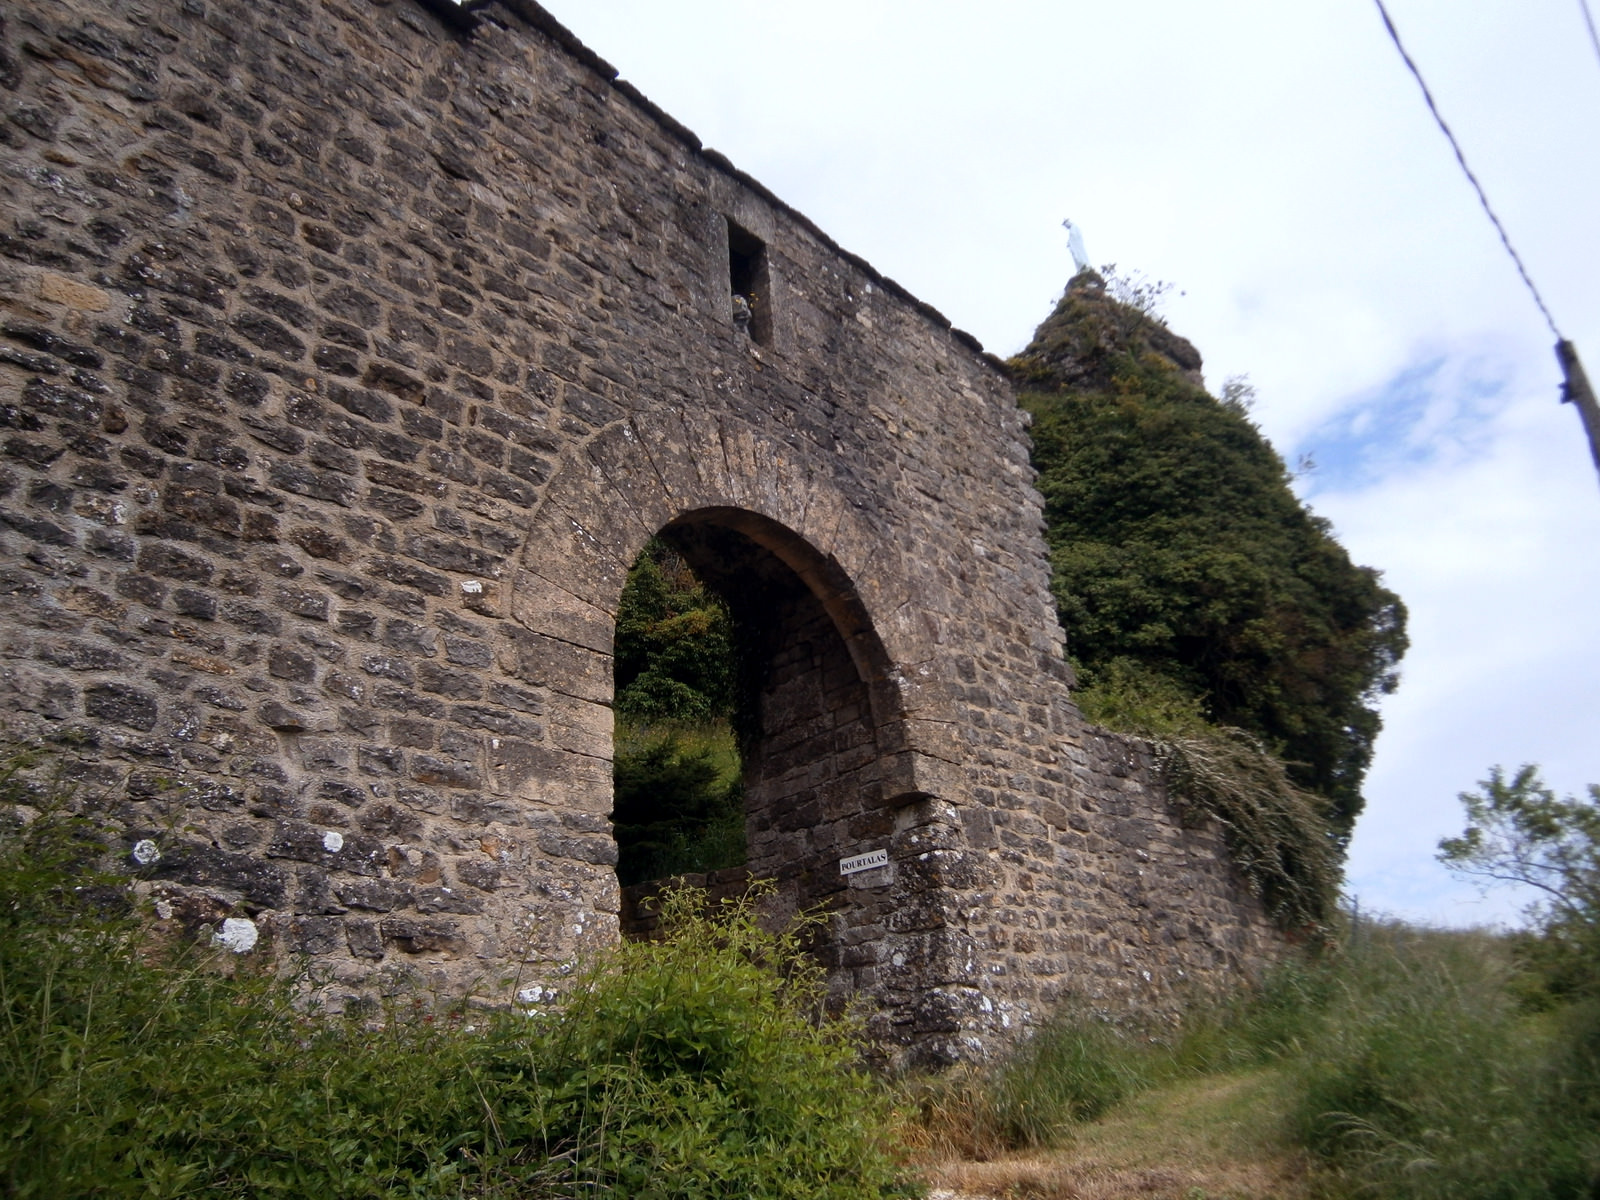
<point x="1588" y="19"/>
<point x="1461" y="158"/>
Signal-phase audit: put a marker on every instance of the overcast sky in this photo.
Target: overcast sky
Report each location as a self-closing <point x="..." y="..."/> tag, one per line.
<point x="1276" y="163"/>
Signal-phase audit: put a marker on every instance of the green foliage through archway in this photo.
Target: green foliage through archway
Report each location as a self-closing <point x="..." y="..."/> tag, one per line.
<point x="679" y="795"/>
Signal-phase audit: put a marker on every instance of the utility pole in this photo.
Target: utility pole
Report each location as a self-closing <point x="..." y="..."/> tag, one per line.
<point x="1576" y="390"/>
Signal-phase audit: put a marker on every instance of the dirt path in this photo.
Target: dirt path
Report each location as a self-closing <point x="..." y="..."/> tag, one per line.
<point x="1217" y="1138"/>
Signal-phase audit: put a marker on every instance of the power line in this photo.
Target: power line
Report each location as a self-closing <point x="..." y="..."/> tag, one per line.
<point x="1575" y="387"/>
<point x="1588" y="19"/>
<point x="1461" y="158"/>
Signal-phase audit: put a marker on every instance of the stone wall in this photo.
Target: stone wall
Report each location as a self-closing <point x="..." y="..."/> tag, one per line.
<point x="349" y="354"/>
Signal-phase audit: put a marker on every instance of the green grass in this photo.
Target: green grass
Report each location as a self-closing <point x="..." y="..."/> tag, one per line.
<point x="1398" y="1063"/>
<point x="1423" y="1077"/>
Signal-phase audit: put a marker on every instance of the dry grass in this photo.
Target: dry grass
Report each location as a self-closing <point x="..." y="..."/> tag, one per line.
<point x="1203" y="1139"/>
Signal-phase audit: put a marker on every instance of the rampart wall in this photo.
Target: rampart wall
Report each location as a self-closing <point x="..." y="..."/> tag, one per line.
<point x="349" y="354"/>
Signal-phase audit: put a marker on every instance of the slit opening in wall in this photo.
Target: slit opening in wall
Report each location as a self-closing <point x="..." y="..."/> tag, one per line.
<point x="748" y="282"/>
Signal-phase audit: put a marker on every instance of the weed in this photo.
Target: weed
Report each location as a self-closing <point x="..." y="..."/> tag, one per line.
<point x="1402" y="1059"/>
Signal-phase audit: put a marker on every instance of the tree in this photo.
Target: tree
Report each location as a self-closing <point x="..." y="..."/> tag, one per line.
<point x="1518" y="832"/>
<point x="1180" y="553"/>
<point x="674" y="650"/>
<point x="678" y="800"/>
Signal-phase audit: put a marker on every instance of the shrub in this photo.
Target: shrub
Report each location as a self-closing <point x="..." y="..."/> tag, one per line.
<point x="1178" y="547"/>
<point x="1519" y="833"/>
<point x="679" y="805"/>
<point x="699" y="1066"/>
<point x="129" y="1067"/>
<point x="677" y="771"/>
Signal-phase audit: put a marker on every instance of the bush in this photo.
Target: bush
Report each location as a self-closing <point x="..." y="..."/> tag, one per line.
<point x="1178" y="548"/>
<point x="129" y="1067"/>
<point x="702" y="1065"/>
<point x="695" y="1067"/>
<point x="675" y="655"/>
<point x="1518" y="832"/>
<point x="679" y="800"/>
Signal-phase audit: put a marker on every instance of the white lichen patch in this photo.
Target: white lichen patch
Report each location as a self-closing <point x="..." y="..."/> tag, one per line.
<point x="535" y="995"/>
<point x="333" y="841"/>
<point x="237" y="934"/>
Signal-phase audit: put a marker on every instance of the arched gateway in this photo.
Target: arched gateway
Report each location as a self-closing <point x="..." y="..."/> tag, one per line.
<point x="846" y="756"/>
<point x="349" y="355"/>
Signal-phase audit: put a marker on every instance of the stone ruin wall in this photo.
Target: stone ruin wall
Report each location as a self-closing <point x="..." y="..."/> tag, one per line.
<point x="350" y="352"/>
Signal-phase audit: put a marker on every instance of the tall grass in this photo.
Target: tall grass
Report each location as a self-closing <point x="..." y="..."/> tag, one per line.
<point x="1414" y="1069"/>
<point x="1422" y="1076"/>
<point x="1073" y="1069"/>
<point x="695" y="1067"/>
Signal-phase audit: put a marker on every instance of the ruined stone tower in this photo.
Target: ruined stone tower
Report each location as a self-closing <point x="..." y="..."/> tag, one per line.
<point x="350" y="352"/>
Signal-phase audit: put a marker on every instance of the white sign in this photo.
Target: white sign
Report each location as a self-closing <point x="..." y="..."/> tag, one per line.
<point x="864" y="862"/>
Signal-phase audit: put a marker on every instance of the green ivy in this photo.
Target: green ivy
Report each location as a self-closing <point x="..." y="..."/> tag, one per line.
<point x="1178" y="549"/>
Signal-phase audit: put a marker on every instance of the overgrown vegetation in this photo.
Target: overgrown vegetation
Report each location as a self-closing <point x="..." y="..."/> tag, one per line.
<point x="1207" y="610"/>
<point x="1404" y="1063"/>
<point x="675" y="657"/>
<point x="1278" y="835"/>
<point x="1186" y="572"/>
<point x="697" y="1066"/>
<point x="1401" y="1063"/>
<point x="679" y="803"/>
<point x="1422" y="1076"/>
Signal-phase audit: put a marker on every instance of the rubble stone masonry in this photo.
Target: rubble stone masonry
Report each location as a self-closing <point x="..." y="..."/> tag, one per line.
<point x="351" y="350"/>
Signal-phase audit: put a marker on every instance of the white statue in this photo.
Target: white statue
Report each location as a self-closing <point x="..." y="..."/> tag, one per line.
<point x="1080" y="256"/>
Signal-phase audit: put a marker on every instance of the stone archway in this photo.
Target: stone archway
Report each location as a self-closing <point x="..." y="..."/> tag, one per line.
<point x="846" y="756"/>
<point x="326" y="483"/>
<point x="673" y="471"/>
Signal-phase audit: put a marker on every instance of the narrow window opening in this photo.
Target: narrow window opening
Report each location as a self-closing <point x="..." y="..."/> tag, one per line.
<point x="748" y="281"/>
